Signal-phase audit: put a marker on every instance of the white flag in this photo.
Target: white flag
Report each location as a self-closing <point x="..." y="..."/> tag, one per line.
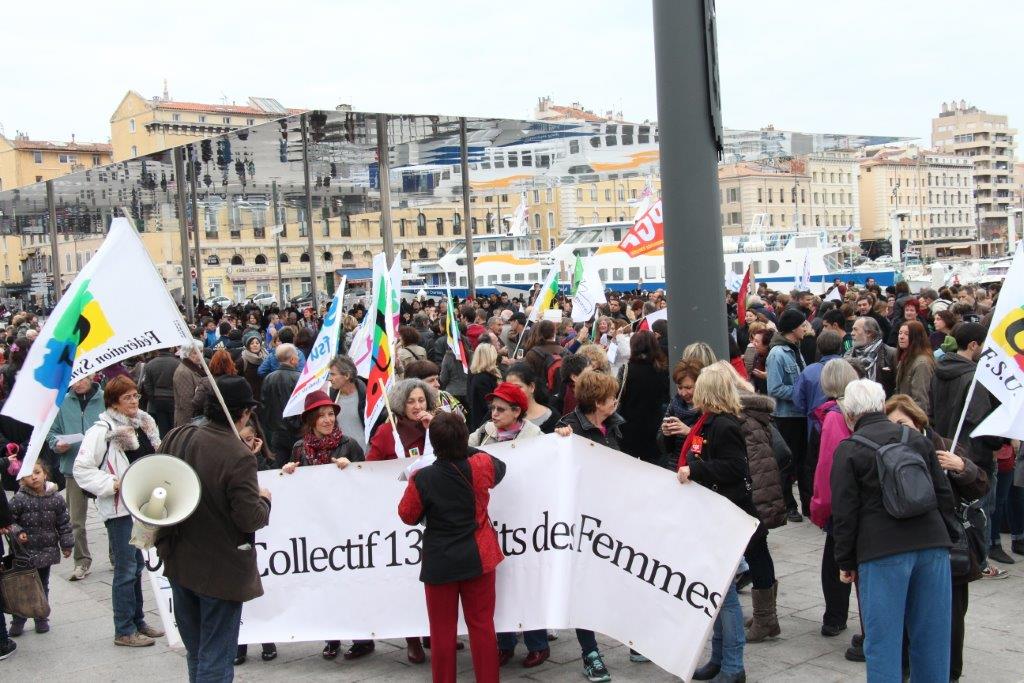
<point x="589" y="294"/>
<point x="117" y="307"/>
<point x="314" y="372"/>
<point x="1001" y="364"/>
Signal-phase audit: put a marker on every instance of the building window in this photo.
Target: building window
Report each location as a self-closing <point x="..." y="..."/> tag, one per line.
<point x="250" y="122"/>
<point x="237" y="260"/>
<point x="439" y="225"/>
<point x="423" y="254"/>
<point x="327" y="257"/>
<point x="536" y="196"/>
<point x="260" y="260"/>
<point x="304" y="258"/>
<point x="326" y="222"/>
<point x="401" y="227"/>
<point x="421" y="225"/>
<point x="202" y="118"/>
<point x="175" y="117"/>
<point x="731" y="195"/>
<point x="226" y="119"/>
<point x="96" y="160"/>
<point x="536" y="220"/>
<point x="551" y="219"/>
<point x="346" y="225"/>
<point x="457" y="224"/>
<point x="131" y="125"/>
<point x="474" y="225"/>
<point x="579" y="195"/>
<point x="135" y="151"/>
<point x="37" y="157"/>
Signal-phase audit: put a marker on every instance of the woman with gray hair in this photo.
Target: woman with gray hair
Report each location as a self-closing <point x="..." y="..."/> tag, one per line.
<point x="831" y="425"/>
<point x="413" y="404"/>
<point x="899" y="561"/>
<point x="186" y="380"/>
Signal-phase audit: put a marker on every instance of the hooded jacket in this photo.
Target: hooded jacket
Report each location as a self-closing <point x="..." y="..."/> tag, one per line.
<point x="952" y="378"/>
<point x="783" y="367"/>
<point x="44" y="519"/>
<point x="756" y="422"/>
<point x="833" y="428"/>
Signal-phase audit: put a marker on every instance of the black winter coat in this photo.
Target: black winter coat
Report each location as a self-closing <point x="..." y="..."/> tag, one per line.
<point x="863" y="530"/>
<point x="277" y="389"/>
<point x="952" y="378"/>
<point x="346" y="448"/>
<point x="722" y="464"/>
<point x="642" y="405"/>
<point x="579" y="424"/>
<point x="478" y="386"/>
<point x="158" y="378"/>
<point x="45" y="521"/>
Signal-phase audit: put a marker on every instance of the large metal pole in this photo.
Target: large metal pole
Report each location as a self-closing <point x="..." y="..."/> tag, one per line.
<point x="186" y="269"/>
<point x="278" y="228"/>
<point x="51" y="205"/>
<point x="467" y="221"/>
<point x="311" y="249"/>
<point x="689" y="123"/>
<point x="384" y="181"/>
<point x="194" y="198"/>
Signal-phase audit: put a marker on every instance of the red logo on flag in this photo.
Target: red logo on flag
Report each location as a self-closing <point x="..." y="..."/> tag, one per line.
<point x="647" y="234"/>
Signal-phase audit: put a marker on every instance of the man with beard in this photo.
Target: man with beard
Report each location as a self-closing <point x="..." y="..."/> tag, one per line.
<point x="872" y="354"/>
<point x="865" y="307"/>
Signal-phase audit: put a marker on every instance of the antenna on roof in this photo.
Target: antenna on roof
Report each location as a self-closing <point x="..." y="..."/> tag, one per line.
<point x="167" y="96"/>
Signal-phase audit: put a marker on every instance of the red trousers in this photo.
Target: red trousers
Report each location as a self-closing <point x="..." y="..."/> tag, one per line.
<point x="477" y="597"/>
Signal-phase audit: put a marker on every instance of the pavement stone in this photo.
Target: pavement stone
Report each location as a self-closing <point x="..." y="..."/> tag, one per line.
<point x="80" y="645"/>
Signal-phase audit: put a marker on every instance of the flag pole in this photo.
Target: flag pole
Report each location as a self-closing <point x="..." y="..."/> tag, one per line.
<point x="963" y="413"/>
<point x="202" y="358"/>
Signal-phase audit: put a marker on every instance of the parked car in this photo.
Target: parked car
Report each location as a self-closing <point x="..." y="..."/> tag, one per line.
<point x="263" y="299"/>
<point x="221" y="301"/>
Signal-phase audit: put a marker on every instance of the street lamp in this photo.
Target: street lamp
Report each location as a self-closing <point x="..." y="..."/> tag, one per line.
<point x="894" y="234"/>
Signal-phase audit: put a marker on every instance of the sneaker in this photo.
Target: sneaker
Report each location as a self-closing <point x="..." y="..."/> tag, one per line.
<point x="7" y="649"/>
<point x="151" y="631"/>
<point x="134" y="640"/>
<point x="637" y="658"/>
<point x="79" y="573"/>
<point x="997" y="553"/>
<point x="991" y="572"/>
<point x="794" y="516"/>
<point x="594" y="668"/>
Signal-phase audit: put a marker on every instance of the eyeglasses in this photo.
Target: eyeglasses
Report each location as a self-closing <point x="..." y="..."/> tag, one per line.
<point x="495" y="408"/>
<point x="131" y="397"/>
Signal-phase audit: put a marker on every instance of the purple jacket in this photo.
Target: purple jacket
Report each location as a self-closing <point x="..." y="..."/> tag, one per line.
<point x="45" y="521"/>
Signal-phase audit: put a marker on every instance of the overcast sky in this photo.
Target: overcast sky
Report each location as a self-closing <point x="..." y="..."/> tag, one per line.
<point x="878" y="67"/>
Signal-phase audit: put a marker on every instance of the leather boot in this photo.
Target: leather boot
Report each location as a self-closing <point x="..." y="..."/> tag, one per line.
<point x="775" y="591"/>
<point x="766" y="621"/>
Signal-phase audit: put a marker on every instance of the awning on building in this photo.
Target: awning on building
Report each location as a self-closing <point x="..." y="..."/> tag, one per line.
<point x="355" y="273"/>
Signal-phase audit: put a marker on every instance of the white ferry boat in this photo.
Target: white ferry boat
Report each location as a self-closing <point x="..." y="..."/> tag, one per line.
<point x="504" y="263"/>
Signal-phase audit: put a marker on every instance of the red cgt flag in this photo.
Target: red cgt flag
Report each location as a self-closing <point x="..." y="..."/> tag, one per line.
<point x="647" y="233"/>
<point x="741" y="299"/>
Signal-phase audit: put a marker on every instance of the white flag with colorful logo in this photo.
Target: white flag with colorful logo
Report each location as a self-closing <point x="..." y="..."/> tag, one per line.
<point x="546" y="297"/>
<point x="1001" y="363"/>
<point x="588" y="292"/>
<point x="117" y="307"/>
<point x="318" y="363"/>
<point x="451" y="328"/>
<point x="382" y="352"/>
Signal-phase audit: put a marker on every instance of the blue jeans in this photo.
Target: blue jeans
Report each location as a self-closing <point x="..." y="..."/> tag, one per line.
<point x="535" y="640"/>
<point x="728" y="638"/>
<point x="1001" y="508"/>
<point x="988" y="504"/>
<point x="127" y="584"/>
<point x="911" y="591"/>
<point x="209" y="630"/>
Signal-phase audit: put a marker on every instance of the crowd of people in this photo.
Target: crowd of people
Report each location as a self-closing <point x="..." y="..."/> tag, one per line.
<point x="816" y="394"/>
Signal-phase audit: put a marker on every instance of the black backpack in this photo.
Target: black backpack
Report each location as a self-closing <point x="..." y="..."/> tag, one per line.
<point x="906" y="481"/>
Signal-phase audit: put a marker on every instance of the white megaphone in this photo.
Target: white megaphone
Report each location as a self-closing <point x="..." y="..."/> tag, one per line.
<point x="159" y="490"/>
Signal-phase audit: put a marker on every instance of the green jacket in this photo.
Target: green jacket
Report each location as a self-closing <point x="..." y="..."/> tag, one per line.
<point x="73" y="420"/>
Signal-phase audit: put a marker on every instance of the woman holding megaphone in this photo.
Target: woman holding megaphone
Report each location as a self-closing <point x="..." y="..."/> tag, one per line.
<point x="123" y="434"/>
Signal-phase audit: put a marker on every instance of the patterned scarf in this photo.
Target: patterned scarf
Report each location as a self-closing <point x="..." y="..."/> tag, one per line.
<point x="318" y="448"/>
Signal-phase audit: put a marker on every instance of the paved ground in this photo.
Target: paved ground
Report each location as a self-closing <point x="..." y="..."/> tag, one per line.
<point x="80" y="645"/>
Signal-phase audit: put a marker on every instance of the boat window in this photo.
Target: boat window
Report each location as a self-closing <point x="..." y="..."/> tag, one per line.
<point x="651" y="272"/>
<point x="627" y="139"/>
<point x="603" y="273"/>
<point x="462" y="281"/>
<point x="757" y="267"/>
<point x="458" y="249"/>
<point x="491" y="279"/>
<point x="611" y="128"/>
<point x="581" y="169"/>
<point x="634" y="273"/>
<point x="737" y="267"/>
<point x="492" y="246"/>
<point x="533" y="277"/>
<point x="806" y="242"/>
<point x="617" y="273"/>
<point x="617" y="234"/>
<point x="485" y="165"/>
<point x="594" y="236"/>
<point x="527" y="159"/>
<point x="595" y="141"/>
<point x="773" y="267"/>
<point x="574" y="147"/>
<point x="479" y="280"/>
<point x="513" y="159"/>
<point x="520" y="277"/>
<point x="610" y="141"/>
<point x="543" y="161"/>
<point x="544" y="274"/>
<point x="506" y="245"/>
<point x="627" y="129"/>
<point x="499" y="162"/>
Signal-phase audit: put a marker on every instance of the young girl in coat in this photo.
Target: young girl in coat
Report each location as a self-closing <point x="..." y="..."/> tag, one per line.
<point x="42" y="529"/>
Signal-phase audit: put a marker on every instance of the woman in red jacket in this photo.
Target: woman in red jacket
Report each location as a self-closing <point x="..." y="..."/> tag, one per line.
<point x="460" y="547"/>
<point x="413" y="403"/>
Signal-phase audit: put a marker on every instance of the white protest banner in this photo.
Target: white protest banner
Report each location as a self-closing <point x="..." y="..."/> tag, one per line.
<point x="115" y="308"/>
<point x="1001" y="363"/>
<point x="645" y="563"/>
<point x="314" y="373"/>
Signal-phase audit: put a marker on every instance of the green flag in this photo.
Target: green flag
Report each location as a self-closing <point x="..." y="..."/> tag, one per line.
<point x="577" y="275"/>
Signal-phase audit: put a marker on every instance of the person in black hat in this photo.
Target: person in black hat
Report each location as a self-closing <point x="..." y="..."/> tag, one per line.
<point x="783" y="365"/>
<point x="209" y="558"/>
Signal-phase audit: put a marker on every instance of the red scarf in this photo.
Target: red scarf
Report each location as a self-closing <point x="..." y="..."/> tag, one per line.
<point x="319" y="448"/>
<point x="694" y="441"/>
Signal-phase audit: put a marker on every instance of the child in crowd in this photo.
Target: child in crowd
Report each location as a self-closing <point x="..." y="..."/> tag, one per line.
<point x="42" y="529"/>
